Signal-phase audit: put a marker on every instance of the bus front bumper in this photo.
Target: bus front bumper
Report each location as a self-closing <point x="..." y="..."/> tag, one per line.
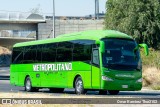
<point x="121" y="85"/>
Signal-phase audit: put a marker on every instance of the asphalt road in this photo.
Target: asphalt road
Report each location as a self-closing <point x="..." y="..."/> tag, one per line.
<point x="4" y="71"/>
<point x="144" y="93"/>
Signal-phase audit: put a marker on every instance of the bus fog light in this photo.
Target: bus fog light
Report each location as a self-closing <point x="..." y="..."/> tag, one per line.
<point x="139" y="80"/>
<point x="106" y="78"/>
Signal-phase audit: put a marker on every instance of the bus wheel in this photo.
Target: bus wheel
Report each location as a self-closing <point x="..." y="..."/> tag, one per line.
<point x="28" y="85"/>
<point x="56" y="90"/>
<point x="113" y="92"/>
<point x="79" y="89"/>
<point x="102" y="92"/>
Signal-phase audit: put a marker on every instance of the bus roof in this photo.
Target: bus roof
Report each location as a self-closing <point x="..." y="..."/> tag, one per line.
<point x="88" y="35"/>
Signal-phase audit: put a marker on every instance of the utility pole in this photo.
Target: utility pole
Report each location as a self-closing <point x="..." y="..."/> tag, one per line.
<point x="96" y="9"/>
<point x="53" y="20"/>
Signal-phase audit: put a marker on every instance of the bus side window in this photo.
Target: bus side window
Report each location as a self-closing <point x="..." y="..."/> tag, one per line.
<point x="64" y="52"/>
<point x="82" y="50"/>
<point x="39" y="54"/>
<point x="29" y="54"/>
<point x="95" y="57"/>
<point x="49" y="52"/>
<point x="17" y="55"/>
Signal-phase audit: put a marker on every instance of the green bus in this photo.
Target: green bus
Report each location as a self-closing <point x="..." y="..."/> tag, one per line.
<point x="103" y="60"/>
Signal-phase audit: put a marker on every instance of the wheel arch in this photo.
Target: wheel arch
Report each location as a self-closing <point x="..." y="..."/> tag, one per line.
<point x="25" y="79"/>
<point x="78" y="75"/>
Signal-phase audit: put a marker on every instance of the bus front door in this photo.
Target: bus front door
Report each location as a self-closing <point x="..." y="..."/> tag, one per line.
<point x="95" y="69"/>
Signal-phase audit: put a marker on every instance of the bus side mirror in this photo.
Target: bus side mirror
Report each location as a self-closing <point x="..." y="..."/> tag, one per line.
<point x="145" y="48"/>
<point x="102" y="45"/>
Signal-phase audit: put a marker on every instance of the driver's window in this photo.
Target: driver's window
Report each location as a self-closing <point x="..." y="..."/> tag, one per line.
<point x="95" y="57"/>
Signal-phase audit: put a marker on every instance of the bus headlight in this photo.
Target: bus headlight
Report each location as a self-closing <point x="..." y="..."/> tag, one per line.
<point x="106" y="78"/>
<point x="139" y="80"/>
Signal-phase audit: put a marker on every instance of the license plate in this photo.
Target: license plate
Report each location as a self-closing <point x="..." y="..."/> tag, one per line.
<point x="124" y="86"/>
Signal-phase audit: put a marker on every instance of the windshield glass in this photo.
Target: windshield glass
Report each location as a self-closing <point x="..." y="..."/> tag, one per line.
<point x="120" y="55"/>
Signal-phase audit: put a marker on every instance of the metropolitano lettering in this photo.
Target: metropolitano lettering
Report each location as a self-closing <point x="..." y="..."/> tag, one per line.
<point x="53" y="67"/>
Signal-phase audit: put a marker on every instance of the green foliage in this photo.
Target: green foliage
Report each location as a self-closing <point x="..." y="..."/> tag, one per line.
<point x="151" y="69"/>
<point x="155" y="87"/>
<point x="152" y="60"/>
<point x="139" y="18"/>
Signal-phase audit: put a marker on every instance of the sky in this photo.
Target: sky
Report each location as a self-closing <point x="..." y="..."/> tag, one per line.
<point x="62" y="7"/>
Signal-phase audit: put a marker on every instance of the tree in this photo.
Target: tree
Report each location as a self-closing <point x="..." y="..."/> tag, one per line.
<point x="139" y="18"/>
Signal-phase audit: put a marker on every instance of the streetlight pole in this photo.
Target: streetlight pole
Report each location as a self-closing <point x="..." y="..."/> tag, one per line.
<point x="96" y="9"/>
<point x="53" y="19"/>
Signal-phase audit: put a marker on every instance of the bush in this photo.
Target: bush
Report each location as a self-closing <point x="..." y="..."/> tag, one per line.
<point x="152" y="60"/>
<point x="151" y="69"/>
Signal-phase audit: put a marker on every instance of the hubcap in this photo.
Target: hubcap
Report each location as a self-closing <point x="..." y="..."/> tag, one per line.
<point x="79" y="86"/>
<point x="28" y="85"/>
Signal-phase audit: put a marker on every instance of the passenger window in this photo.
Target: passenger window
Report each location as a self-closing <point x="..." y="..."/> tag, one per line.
<point x="49" y="52"/>
<point x="29" y="54"/>
<point x="82" y="50"/>
<point x="95" y="57"/>
<point x="64" y="52"/>
<point x="17" y="55"/>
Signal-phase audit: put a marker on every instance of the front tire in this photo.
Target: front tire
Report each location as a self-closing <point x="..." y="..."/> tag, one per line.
<point x="79" y="88"/>
<point x="113" y="92"/>
<point x="28" y="85"/>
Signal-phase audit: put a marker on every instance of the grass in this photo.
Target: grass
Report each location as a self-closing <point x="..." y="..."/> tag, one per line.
<point x="152" y="60"/>
<point x="151" y="77"/>
<point x="151" y="69"/>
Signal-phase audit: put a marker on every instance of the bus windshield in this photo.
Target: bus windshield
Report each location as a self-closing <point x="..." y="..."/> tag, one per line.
<point x="120" y="55"/>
